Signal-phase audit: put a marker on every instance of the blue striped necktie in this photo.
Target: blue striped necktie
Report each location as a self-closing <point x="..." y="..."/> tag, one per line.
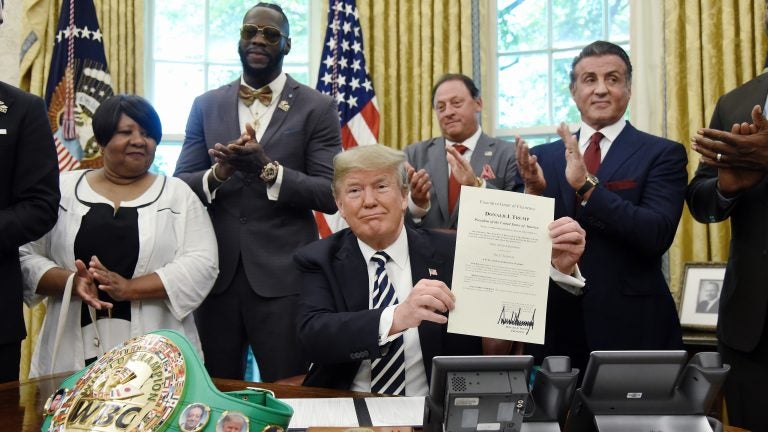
<point x="387" y="372"/>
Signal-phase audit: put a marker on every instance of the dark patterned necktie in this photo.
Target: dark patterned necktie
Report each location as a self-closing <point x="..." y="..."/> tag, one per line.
<point x="454" y="188"/>
<point x="387" y="372"/>
<point x="592" y="153"/>
<point x="249" y="95"/>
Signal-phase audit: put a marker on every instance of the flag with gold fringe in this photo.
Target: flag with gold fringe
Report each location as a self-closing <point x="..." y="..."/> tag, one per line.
<point x="78" y="82"/>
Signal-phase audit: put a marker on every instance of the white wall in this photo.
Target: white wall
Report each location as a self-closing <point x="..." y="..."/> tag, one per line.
<point x="10" y="42"/>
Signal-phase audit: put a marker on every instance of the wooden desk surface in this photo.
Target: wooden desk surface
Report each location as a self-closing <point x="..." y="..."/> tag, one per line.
<point x="21" y="404"/>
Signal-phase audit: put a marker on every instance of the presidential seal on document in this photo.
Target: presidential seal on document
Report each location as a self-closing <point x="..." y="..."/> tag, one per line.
<point x="502" y="265"/>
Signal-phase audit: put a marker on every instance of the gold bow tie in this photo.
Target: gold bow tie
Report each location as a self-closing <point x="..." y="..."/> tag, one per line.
<point x="248" y="95"/>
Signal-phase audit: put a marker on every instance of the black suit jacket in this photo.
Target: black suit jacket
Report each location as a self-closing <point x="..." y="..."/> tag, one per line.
<point x="744" y="299"/>
<point x="29" y="194"/>
<point x="630" y="220"/>
<point x="336" y="329"/>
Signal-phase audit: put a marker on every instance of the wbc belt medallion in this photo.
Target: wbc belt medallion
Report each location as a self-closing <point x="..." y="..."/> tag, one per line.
<point x="134" y="387"/>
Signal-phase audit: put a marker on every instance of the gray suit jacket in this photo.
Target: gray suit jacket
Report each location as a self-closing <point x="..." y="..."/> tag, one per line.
<point x="303" y="139"/>
<point x="499" y="155"/>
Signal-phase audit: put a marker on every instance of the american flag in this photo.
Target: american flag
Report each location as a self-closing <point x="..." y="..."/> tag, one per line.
<point x="344" y="77"/>
<point x="77" y="84"/>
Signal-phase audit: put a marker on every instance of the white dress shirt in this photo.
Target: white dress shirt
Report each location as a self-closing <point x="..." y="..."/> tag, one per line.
<point x="399" y="273"/>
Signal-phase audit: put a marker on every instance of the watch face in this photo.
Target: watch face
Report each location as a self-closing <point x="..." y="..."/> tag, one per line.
<point x="269" y="172"/>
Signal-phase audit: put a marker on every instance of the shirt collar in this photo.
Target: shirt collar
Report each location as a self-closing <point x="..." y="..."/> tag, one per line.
<point x="276" y="85"/>
<point x="471" y="142"/>
<point x="397" y="251"/>
<point x="610" y="132"/>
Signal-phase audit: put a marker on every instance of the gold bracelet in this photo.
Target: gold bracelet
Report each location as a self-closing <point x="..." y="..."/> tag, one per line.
<point x="213" y="173"/>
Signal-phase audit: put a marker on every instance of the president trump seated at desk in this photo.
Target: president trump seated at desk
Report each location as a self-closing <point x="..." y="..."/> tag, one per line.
<point x="375" y="296"/>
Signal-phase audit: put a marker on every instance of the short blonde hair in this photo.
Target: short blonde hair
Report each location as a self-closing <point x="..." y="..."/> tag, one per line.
<point x="369" y="157"/>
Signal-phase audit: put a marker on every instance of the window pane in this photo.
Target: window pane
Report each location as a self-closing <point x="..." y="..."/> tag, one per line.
<point x="165" y="157"/>
<point x="218" y="75"/>
<point x="618" y="20"/>
<point x="522" y="25"/>
<point x="563" y="107"/>
<point x="534" y="140"/>
<point x="297" y="72"/>
<point x="178" y="31"/>
<point x="523" y="91"/>
<point x="576" y="22"/>
<point x="298" y="16"/>
<point x="225" y="17"/>
<point x="176" y="86"/>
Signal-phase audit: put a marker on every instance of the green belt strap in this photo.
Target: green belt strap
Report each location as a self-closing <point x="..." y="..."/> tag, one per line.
<point x="156" y="382"/>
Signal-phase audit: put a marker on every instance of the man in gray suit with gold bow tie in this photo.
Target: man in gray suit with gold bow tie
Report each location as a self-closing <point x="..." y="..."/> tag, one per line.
<point x="258" y="152"/>
<point x="463" y="155"/>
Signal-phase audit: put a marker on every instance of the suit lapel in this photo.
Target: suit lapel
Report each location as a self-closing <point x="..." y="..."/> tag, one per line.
<point x="437" y="166"/>
<point x="423" y="258"/>
<point x="482" y="153"/>
<point x="353" y="278"/>
<point x="290" y="95"/>
<point x="624" y="147"/>
<point x="229" y="111"/>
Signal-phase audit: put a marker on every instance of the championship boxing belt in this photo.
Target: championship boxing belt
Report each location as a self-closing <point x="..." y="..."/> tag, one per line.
<point x="156" y="382"/>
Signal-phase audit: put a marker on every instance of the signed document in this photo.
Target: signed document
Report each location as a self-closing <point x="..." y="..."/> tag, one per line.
<point x="502" y="265"/>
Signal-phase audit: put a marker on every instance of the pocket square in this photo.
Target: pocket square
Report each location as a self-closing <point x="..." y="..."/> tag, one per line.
<point x="487" y="173"/>
<point x="620" y="185"/>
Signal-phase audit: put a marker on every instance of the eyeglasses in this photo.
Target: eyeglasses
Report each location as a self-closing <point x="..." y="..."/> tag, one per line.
<point x="270" y="34"/>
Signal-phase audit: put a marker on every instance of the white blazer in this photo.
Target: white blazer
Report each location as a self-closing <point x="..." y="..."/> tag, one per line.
<point x="176" y="241"/>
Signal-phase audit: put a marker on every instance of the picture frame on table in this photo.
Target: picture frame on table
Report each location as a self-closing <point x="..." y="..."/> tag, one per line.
<point x="700" y="299"/>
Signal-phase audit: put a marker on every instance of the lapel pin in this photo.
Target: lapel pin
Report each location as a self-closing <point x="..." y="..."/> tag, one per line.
<point x="3" y="107"/>
<point x="488" y="153"/>
<point x="283" y="105"/>
<point x="432" y="272"/>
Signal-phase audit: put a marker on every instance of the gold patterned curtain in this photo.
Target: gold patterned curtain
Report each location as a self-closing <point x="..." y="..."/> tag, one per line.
<point x="122" y="25"/>
<point x="408" y="45"/>
<point x="712" y="46"/>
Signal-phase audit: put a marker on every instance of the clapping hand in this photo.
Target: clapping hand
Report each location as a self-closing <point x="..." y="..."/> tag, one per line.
<point x="529" y="168"/>
<point x="84" y="287"/>
<point x="420" y="185"/>
<point x="118" y="287"/>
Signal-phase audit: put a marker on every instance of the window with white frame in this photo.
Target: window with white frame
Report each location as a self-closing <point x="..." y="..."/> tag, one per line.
<point x="536" y="41"/>
<point x="192" y="48"/>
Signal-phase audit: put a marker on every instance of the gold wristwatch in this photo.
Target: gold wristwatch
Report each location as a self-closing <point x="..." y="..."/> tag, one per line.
<point x="591" y="182"/>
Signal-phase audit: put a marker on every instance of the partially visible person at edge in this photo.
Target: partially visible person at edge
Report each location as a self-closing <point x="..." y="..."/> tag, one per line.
<point x="730" y="184"/>
<point x="462" y="155"/>
<point x="29" y="197"/>
<point x="626" y="188"/>
<point x="135" y="251"/>
<point x="260" y="190"/>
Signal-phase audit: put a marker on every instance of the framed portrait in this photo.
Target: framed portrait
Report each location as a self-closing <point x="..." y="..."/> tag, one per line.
<point x="702" y="284"/>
